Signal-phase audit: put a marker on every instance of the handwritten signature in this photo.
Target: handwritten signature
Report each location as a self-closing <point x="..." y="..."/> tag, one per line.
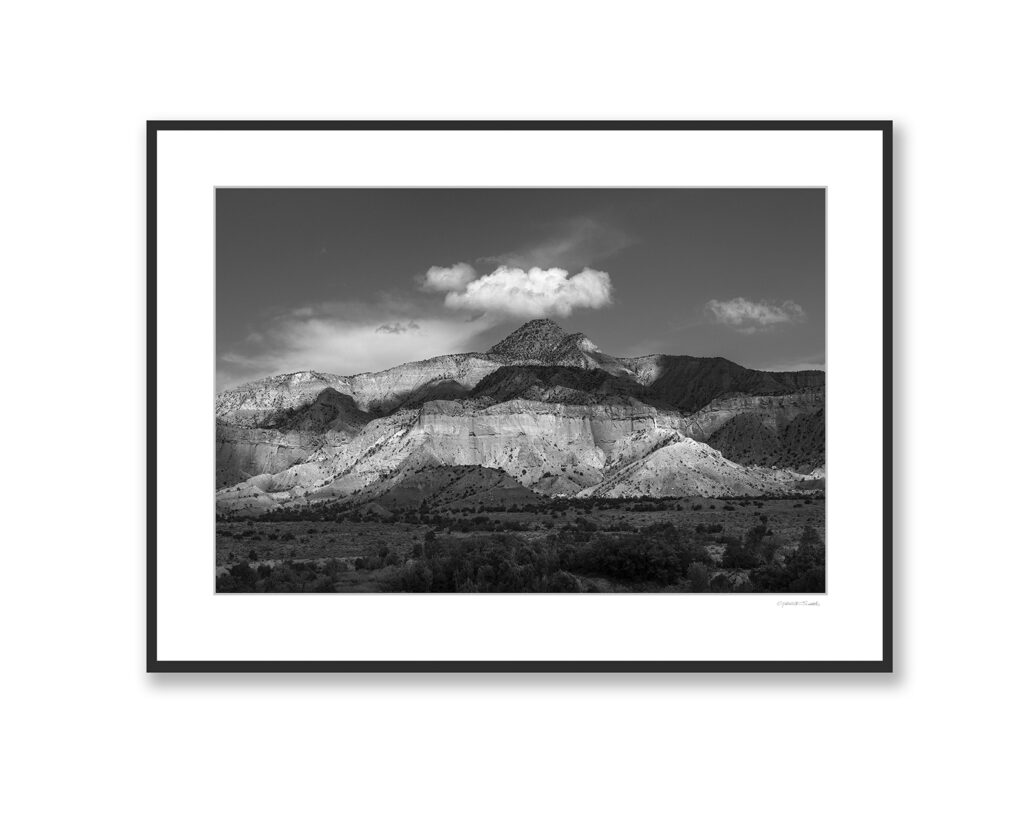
<point x="782" y="603"/>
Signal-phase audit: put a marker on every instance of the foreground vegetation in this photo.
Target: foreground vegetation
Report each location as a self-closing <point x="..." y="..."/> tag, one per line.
<point x="671" y="547"/>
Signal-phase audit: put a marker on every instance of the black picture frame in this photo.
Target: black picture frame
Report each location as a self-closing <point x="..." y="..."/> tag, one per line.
<point x="153" y="664"/>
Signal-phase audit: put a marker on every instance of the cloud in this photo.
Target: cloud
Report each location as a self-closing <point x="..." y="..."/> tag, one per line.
<point x="403" y="326"/>
<point x="345" y="339"/>
<point x="576" y="243"/>
<point x="749" y="317"/>
<point x="453" y="278"/>
<point x="397" y="328"/>
<point x="537" y="292"/>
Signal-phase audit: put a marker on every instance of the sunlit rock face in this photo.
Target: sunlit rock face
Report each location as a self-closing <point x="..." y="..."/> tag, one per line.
<point x="684" y="467"/>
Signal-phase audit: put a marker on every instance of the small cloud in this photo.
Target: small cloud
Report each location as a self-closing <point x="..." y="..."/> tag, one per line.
<point x="749" y="317"/>
<point x="453" y="278"/>
<point x="537" y="292"/>
<point x="397" y="328"/>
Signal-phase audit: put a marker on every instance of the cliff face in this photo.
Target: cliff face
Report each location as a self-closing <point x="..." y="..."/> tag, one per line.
<point x="557" y="449"/>
<point x="531" y="440"/>
<point x="287" y="436"/>
<point x="544" y="408"/>
<point x="243" y="452"/>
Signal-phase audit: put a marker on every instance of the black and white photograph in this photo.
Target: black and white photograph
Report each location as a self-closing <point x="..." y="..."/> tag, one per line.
<point x="488" y="416"/>
<point x="451" y="384"/>
<point x="520" y="390"/>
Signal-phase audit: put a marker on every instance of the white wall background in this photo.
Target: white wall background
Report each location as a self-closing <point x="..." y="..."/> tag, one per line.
<point x="88" y="740"/>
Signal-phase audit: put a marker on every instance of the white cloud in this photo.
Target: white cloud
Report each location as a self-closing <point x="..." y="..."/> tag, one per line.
<point x="349" y="338"/>
<point x="537" y="292"/>
<point x="453" y="278"/>
<point x="749" y="317"/>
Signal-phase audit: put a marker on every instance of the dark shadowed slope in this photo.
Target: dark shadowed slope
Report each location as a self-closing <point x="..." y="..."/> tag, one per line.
<point x="330" y="411"/>
<point x="800" y="445"/>
<point x="458" y="487"/>
<point x="690" y="383"/>
<point x="557" y="384"/>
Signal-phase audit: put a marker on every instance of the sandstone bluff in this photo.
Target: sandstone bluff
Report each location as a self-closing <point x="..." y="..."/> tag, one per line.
<point x="542" y="414"/>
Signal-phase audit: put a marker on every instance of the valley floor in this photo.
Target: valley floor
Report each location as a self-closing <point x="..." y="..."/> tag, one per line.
<point x="674" y="545"/>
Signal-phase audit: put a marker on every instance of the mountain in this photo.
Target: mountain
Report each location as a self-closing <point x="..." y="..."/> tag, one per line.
<point x="690" y="383"/>
<point x="545" y="411"/>
<point x="538" y="340"/>
<point x="547" y="343"/>
<point x="286" y="436"/>
<point x="686" y="383"/>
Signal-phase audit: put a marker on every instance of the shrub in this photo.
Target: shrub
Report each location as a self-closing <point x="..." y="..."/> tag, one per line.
<point x="720" y="584"/>
<point x="629" y="558"/>
<point x="562" y="582"/>
<point x="803" y="571"/>
<point x="698" y="576"/>
<point x="738" y="556"/>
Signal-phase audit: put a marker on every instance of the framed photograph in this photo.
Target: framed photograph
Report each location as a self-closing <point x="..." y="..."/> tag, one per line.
<point x="520" y="396"/>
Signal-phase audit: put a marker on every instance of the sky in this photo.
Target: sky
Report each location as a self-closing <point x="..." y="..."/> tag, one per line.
<point x="353" y="280"/>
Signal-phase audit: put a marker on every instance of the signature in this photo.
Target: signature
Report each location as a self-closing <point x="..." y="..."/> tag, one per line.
<point x="782" y="603"/>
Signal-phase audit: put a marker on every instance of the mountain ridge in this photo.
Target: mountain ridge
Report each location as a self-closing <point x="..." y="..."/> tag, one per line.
<point x="545" y="407"/>
<point x="684" y="381"/>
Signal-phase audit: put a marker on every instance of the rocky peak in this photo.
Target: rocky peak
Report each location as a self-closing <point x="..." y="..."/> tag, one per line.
<point x="544" y="341"/>
<point x="535" y="340"/>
